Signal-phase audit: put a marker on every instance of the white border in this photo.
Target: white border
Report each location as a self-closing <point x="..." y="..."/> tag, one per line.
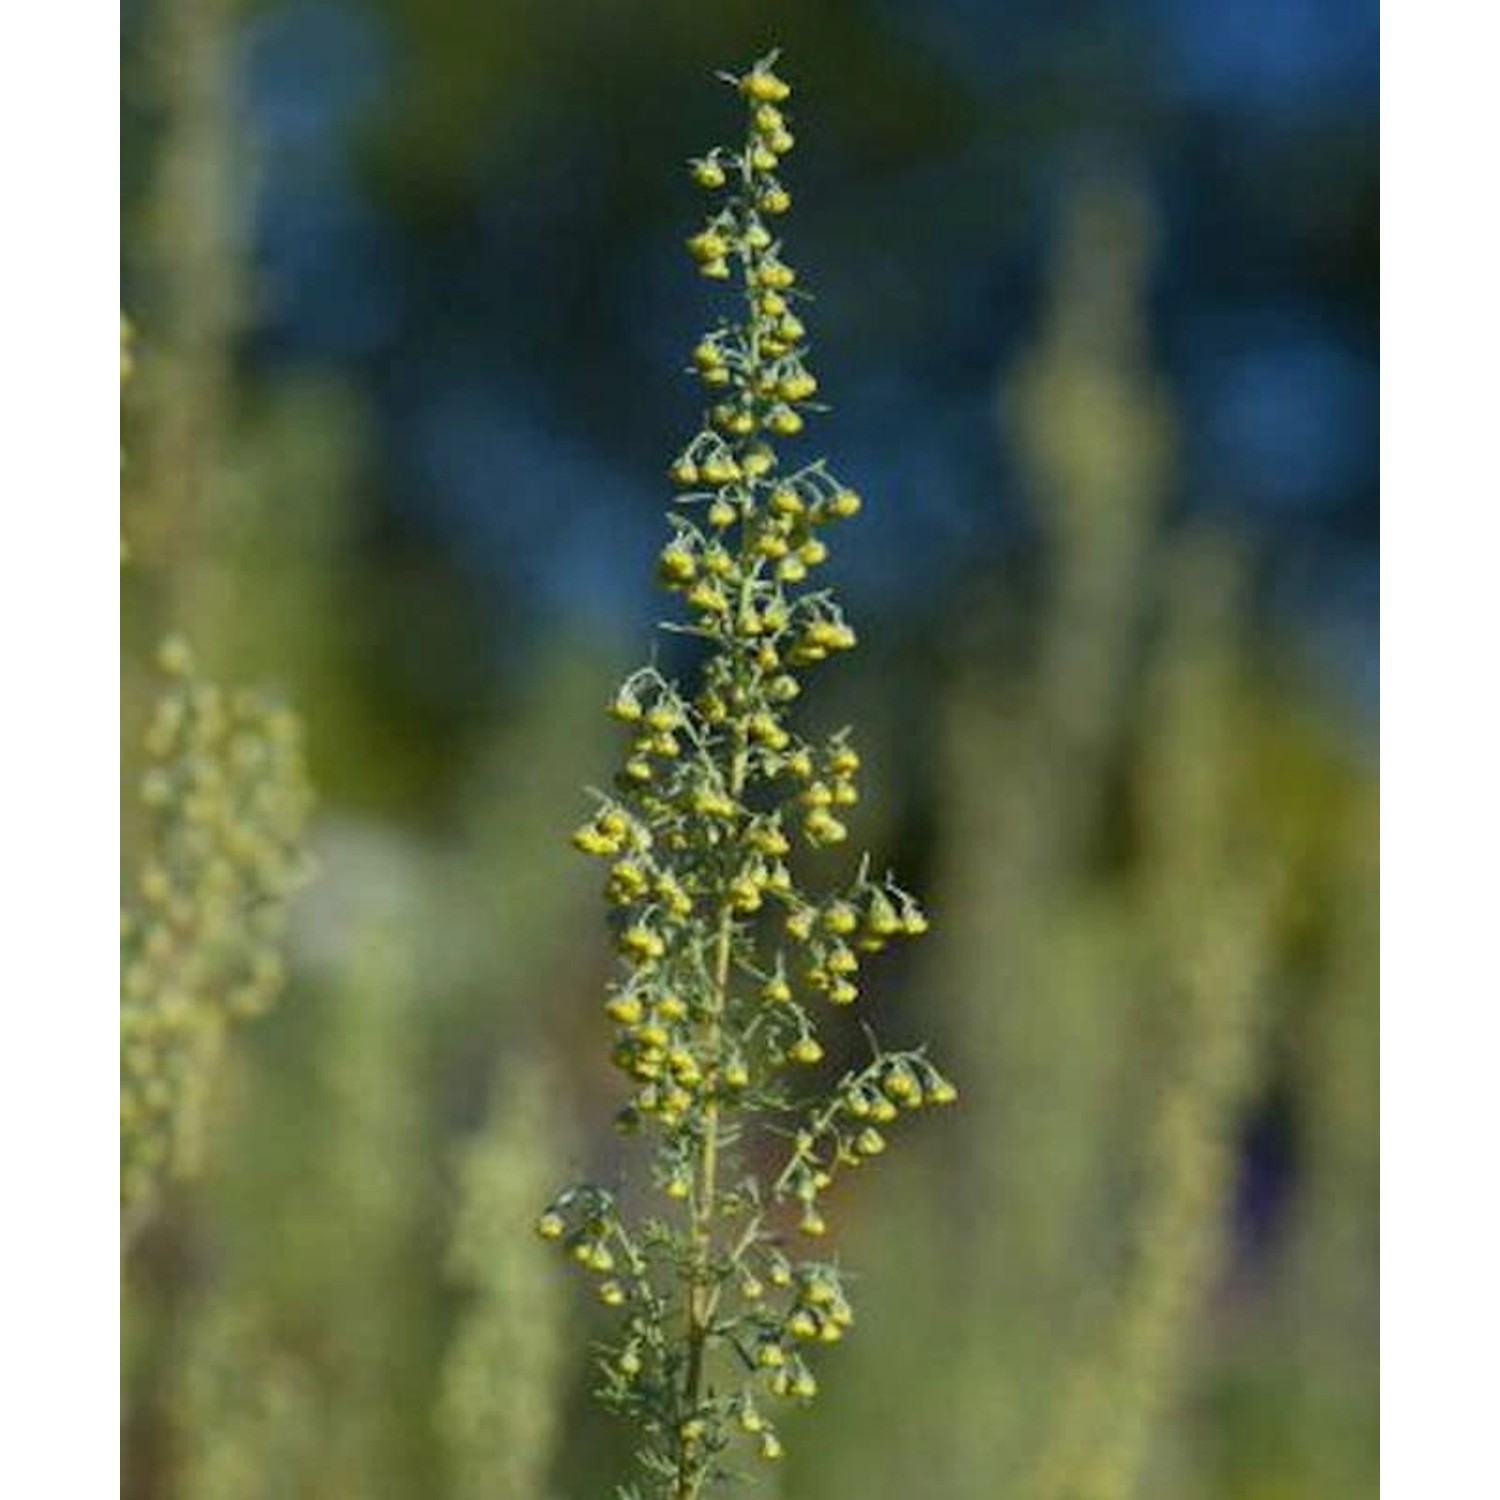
<point x="1440" y="417"/>
<point x="59" y="713"/>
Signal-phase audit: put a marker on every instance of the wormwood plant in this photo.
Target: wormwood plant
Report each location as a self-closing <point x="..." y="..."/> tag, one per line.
<point x="223" y="804"/>
<point x="727" y="957"/>
<point x="498" y="1411"/>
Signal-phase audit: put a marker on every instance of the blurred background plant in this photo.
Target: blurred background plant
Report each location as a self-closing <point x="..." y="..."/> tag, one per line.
<point x="214" y="829"/>
<point x="1101" y="339"/>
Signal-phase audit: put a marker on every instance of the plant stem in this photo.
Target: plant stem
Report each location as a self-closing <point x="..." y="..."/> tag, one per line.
<point x="702" y="1294"/>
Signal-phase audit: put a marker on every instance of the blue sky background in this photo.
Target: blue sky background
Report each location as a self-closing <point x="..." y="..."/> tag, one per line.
<point x="470" y="213"/>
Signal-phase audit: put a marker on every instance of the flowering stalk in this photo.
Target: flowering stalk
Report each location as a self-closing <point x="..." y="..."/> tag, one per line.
<point x="224" y="803"/>
<point x="726" y="957"/>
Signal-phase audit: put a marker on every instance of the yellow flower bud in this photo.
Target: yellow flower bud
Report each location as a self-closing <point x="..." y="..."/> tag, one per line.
<point x="626" y="1009"/>
<point x="844" y="761"/>
<point x="900" y="1084"/>
<point x="721" y="469"/>
<point x="641" y="942"/>
<point x="821" y="827"/>
<point x="802" y="1324"/>
<point x="842" y="961"/>
<point x="589" y="840"/>
<point x="800" y="924"/>
<point x="767" y="839"/>
<point x="627" y="880"/>
<point x="709" y="245"/>
<point x="840" y="918"/>
<point x="708" y="597"/>
<point x="762" y="86"/>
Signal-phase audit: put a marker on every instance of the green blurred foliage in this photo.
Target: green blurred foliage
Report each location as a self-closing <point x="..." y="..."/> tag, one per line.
<point x="1153" y="864"/>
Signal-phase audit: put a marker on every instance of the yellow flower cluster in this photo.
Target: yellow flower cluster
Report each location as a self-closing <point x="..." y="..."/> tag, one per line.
<point x="725" y="954"/>
<point x="226" y="803"/>
<point x="844" y="1132"/>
